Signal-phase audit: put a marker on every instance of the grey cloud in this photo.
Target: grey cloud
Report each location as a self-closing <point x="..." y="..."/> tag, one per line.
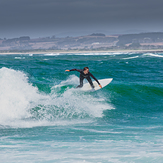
<point x="80" y="13"/>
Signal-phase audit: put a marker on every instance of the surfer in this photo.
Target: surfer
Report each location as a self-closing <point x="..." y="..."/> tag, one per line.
<point x="85" y="74"/>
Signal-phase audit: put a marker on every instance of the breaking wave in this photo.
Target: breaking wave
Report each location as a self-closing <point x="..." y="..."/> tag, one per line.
<point x="22" y="105"/>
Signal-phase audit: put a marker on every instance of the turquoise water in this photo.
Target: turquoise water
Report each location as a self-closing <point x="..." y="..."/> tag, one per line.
<point x="44" y="118"/>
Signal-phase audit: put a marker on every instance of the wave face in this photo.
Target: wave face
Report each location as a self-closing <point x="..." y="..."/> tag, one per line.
<point x="44" y="118"/>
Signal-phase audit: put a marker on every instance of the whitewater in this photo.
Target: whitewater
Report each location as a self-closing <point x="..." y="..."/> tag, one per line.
<point x="44" y="118"/>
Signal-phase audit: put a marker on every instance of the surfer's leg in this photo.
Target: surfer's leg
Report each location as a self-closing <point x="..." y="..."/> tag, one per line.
<point x="90" y="82"/>
<point x="81" y="82"/>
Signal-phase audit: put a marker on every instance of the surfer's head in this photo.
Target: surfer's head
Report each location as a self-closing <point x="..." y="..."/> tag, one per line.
<point x="85" y="70"/>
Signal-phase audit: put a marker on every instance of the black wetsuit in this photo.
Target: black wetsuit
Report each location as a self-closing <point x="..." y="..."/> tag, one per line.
<point x="87" y="76"/>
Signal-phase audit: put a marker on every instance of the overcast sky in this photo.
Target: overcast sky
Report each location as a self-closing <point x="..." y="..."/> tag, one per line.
<point x="40" y="18"/>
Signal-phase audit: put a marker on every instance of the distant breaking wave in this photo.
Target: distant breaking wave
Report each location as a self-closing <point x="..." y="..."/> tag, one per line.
<point x="108" y="53"/>
<point x="131" y="57"/>
<point x="153" y="55"/>
<point x="88" y="53"/>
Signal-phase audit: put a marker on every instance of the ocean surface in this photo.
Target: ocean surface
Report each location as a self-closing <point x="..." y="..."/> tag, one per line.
<point x="44" y="119"/>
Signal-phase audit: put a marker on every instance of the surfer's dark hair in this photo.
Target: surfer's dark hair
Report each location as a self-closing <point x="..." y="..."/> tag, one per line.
<point x="85" y="68"/>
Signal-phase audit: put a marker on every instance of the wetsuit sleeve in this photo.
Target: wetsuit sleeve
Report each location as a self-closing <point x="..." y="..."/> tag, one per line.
<point x="76" y="70"/>
<point x="94" y="78"/>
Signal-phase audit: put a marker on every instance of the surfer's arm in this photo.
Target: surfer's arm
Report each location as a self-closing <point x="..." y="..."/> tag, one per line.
<point x="96" y="80"/>
<point x="74" y="70"/>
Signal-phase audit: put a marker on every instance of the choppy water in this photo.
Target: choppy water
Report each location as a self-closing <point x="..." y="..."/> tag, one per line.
<point x="43" y="118"/>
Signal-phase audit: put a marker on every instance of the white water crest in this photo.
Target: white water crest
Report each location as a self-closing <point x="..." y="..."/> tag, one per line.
<point x="17" y="96"/>
<point x="52" y="54"/>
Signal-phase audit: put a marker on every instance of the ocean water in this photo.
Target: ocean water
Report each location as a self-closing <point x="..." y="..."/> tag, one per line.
<point x="43" y="118"/>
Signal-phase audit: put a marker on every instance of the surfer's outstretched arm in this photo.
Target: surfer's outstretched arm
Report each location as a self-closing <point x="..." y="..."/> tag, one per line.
<point x="96" y="80"/>
<point x="74" y="70"/>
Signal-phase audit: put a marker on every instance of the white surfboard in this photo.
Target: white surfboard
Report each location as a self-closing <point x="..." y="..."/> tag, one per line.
<point x="103" y="82"/>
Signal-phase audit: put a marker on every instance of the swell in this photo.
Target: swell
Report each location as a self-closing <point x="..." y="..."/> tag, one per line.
<point x="135" y="104"/>
<point x="138" y="93"/>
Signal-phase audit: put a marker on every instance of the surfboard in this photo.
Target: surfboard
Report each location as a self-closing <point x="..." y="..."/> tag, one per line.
<point x="103" y="82"/>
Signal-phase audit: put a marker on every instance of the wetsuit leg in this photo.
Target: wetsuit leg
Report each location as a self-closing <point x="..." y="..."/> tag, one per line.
<point x="81" y="82"/>
<point x="90" y="81"/>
